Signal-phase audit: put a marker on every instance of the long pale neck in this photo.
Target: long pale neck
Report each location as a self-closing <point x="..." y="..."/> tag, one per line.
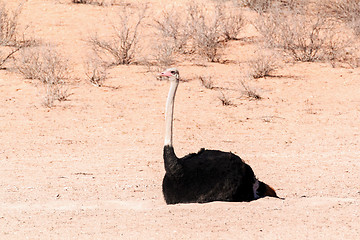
<point x="169" y="112"/>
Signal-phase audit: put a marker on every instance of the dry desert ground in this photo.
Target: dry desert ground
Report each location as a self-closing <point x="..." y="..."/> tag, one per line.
<point x="91" y="167"/>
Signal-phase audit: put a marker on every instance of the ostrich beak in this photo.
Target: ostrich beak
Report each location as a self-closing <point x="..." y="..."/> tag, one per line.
<point x="165" y="74"/>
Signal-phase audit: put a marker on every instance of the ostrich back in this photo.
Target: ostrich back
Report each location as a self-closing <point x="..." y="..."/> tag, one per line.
<point x="209" y="175"/>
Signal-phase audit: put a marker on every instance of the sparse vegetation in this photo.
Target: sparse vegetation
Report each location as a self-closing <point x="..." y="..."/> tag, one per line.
<point x="122" y="46"/>
<point x="45" y="64"/>
<point x="232" y="21"/>
<point x="262" y="6"/>
<point x="306" y="38"/>
<point x="249" y="91"/>
<point x="164" y="54"/>
<point x="259" y="6"/>
<point x="210" y="28"/>
<point x="98" y="2"/>
<point x="55" y="92"/>
<point x="205" y="31"/>
<point x="262" y="65"/>
<point x="347" y="11"/>
<point x="225" y="101"/>
<point x="9" y="21"/>
<point x="207" y="82"/>
<point x="96" y="72"/>
<point x="184" y="33"/>
<point x="172" y="28"/>
<point x="9" y="36"/>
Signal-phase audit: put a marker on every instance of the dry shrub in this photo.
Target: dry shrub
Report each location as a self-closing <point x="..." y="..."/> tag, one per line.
<point x="211" y="26"/>
<point x="346" y="10"/>
<point x="305" y="38"/>
<point x="49" y="67"/>
<point x="164" y="54"/>
<point x="301" y="37"/>
<point x="122" y="45"/>
<point x="96" y="72"/>
<point x="262" y="6"/>
<point x="99" y="2"/>
<point x="341" y="48"/>
<point x="43" y="63"/>
<point x="55" y="92"/>
<point x="172" y="37"/>
<point x="225" y="101"/>
<point x="249" y="92"/>
<point x="9" y="22"/>
<point x="231" y="20"/>
<point x="172" y="28"/>
<point x="204" y="27"/>
<point x="207" y="82"/>
<point x="257" y="5"/>
<point x="9" y="36"/>
<point x="262" y="65"/>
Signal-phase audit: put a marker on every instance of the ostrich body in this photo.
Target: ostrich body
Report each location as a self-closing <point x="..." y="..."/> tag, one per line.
<point x="209" y="175"/>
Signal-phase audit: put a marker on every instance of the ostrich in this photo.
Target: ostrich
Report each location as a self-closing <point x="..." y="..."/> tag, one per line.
<point x="206" y="176"/>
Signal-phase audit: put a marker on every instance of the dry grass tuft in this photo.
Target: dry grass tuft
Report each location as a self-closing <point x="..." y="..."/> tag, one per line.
<point x="262" y="65"/>
<point x="207" y="82"/>
<point x="249" y="92"/>
<point x="225" y="101"/>
<point x="96" y="72"/>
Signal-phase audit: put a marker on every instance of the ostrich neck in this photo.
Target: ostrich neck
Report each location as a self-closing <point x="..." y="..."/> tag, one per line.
<point x="169" y="112"/>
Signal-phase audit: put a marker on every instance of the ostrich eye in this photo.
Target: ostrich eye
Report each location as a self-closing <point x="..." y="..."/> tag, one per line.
<point x="172" y="72"/>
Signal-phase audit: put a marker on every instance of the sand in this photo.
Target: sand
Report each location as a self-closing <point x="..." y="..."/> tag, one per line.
<point x="91" y="167"/>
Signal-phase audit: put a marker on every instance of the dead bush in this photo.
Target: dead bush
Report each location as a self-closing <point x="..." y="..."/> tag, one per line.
<point x="301" y="37"/>
<point x="210" y="26"/>
<point x="122" y="45"/>
<point x="164" y="54"/>
<point x="9" y="22"/>
<point x="9" y="36"/>
<point x="305" y="38"/>
<point x="203" y="30"/>
<point x="96" y="72"/>
<point x="341" y="49"/>
<point x="172" y="28"/>
<point x="257" y="5"/>
<point x="346" y="10"/>
<point x="45" y="64"/>
<point x="55" y="92"/>
<point x="262" y="65"/>
<point x="204" y="27"/>
<point x="8" y="52"/>
<point x="262" y="6"/>
<point x="225" y="101"/>
<point x="249" y="92"/>
<point x="231" y="20"/>
<point x="207" y="82"/>
<point x="98" y="2"/>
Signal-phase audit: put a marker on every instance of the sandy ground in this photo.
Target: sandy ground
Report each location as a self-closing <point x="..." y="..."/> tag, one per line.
<point x="91" y="167"/>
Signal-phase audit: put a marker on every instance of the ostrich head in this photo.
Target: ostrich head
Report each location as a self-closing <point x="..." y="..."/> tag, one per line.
<point x="171" y="73"/>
